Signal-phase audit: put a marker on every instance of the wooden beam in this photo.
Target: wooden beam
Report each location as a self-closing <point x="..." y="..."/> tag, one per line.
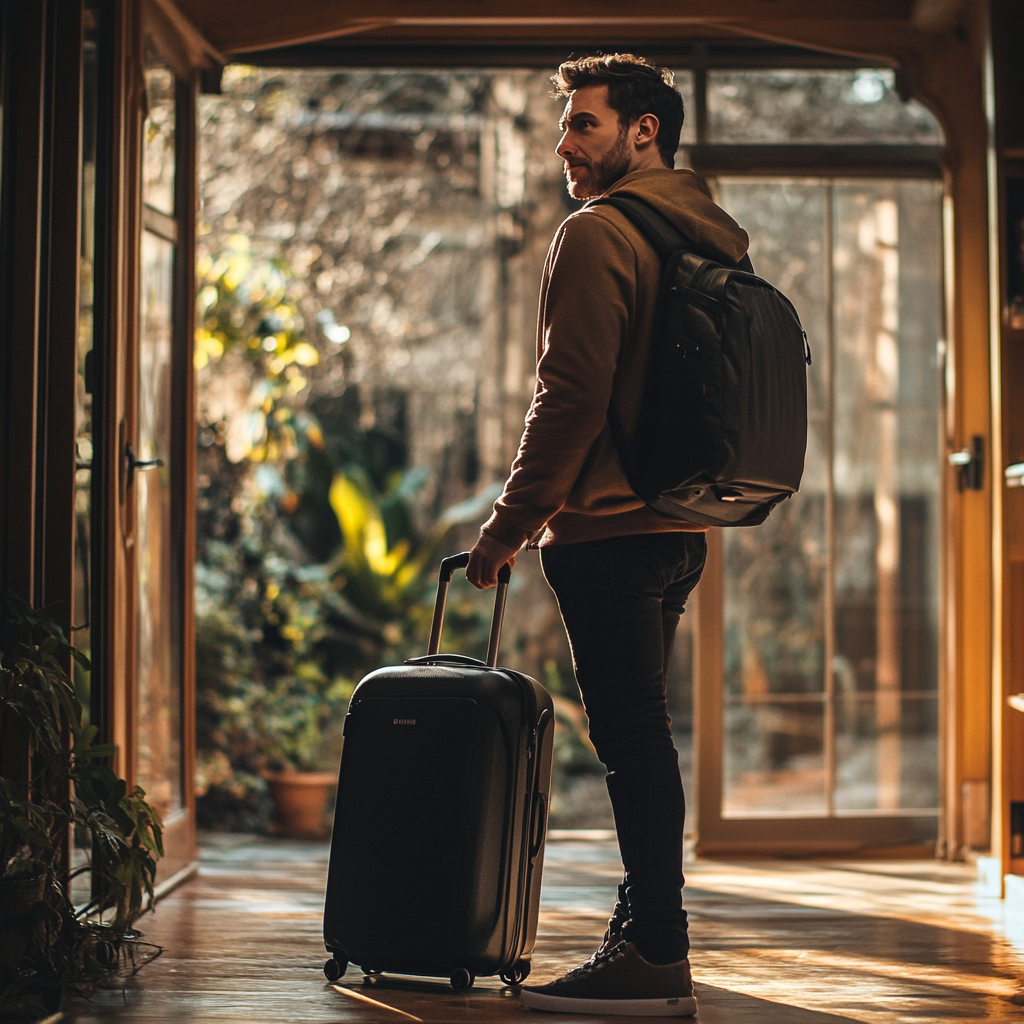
<point x="238" y="25"/>
<point x="938" y="15"/>
<point x="180" y="44"/>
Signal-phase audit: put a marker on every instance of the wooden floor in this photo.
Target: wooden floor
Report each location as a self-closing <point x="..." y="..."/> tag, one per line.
<point x="774" y="943"/>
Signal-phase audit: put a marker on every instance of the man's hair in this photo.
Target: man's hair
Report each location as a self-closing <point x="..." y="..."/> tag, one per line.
<point x="635" y="87"/>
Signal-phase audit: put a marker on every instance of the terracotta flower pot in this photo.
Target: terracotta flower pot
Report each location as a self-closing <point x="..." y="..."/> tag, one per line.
<point x="300" y="802"/>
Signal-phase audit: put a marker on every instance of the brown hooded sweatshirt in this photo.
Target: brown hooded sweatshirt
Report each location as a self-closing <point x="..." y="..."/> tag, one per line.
<point x="597" y="306"/>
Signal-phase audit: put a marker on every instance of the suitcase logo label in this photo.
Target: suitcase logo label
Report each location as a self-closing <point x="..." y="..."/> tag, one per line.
<point x="404" y="721"/>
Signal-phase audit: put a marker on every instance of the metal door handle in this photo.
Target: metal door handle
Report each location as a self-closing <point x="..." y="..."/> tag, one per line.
<point x="135" y="463"/>
<point x="970" y="464"/>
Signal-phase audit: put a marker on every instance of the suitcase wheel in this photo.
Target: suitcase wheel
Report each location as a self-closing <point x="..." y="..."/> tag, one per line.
<point x="371" y="972"/>
<point x="461" y="979"/>
<point x="335" y="968"/>
<point x="517" y="974"/>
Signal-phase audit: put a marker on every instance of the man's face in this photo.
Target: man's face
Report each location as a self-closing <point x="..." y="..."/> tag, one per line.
<point x="594" y="145"/>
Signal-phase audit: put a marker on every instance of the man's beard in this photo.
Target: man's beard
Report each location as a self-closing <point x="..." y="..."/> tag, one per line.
<point x="600" y="176"/>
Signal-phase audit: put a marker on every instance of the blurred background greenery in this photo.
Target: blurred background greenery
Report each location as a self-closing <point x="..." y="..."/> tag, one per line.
<point x="311" y="570"/>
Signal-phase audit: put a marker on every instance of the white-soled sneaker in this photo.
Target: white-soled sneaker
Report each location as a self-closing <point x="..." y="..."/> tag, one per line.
<point x="619" y="982"/>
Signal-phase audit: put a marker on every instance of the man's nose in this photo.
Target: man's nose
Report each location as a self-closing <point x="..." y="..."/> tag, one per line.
<point x="563" y="149"/>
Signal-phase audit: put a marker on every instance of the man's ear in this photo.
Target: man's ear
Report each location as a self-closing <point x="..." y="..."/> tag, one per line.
<point x="646" y="131"/>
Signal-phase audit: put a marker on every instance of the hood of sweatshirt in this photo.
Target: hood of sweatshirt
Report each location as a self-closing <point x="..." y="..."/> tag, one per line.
<point x="685" y="199"/>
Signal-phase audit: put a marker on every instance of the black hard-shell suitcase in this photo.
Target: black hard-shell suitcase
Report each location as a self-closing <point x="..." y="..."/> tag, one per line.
<point x="441" y="816"/>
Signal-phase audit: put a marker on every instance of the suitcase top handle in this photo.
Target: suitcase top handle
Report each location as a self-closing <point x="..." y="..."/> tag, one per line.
<point x="444" y="577"/>
<point x="460" y="561"/>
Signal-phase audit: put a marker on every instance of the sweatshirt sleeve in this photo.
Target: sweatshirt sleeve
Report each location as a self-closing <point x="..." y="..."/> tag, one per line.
<point x="586" y="307"/>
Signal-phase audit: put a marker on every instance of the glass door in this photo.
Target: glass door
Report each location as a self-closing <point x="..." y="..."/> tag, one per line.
<point x="819" y="630"/>
<point x="86" y="419"/>
<point x="153" y="453"/>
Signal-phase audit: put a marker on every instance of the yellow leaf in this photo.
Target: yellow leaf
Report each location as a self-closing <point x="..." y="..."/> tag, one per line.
<point x="207" y="298"/>
<point x="238" y="269"/>
<point x="304" y="354"/>
<point x="353" y="512"/>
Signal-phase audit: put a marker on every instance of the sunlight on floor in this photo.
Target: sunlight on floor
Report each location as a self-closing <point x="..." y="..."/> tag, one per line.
<point x="782" y="942"/>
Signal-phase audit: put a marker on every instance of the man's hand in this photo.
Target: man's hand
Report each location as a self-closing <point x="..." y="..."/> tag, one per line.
<point x="486" y="559"/>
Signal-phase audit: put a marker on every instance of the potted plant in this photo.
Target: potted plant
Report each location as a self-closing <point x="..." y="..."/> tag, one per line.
<point x="48" y="947"/>
<point x="271" y="643"/>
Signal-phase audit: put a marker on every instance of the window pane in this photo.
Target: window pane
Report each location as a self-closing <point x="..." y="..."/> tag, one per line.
<point x="775" y="575"/>
<point x="84" y="385"/>
<point x="688" y="136"/>
<point x="887" y="747"/>
<point x="885" y="477"/>
<point x="774" y="764"/>
<point x="158" y="137"/>
<point x="887" y="455"/>
<point x="82" y="610"/>
<point x="823" y="106"/>
<point x="158" y="766"/>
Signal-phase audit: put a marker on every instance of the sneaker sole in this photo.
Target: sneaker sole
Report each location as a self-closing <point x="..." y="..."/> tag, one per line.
<point x="681" y="1006"/>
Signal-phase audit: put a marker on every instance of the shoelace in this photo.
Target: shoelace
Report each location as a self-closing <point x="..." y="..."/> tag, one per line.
<point x="602" y="956"/>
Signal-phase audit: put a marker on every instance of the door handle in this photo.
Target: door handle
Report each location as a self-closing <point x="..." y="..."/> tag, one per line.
<point x="970" y="464"/>
<point x="135" y="463"/>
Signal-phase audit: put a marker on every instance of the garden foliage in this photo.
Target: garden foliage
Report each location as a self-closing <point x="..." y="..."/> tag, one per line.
<point x="310" y="571"/>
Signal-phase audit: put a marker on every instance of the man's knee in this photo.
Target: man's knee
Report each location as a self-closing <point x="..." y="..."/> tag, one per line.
<point x="626" y="738"/>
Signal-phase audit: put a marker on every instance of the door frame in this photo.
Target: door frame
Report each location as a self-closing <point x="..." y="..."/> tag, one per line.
<point x="150" y="27"/>
<point x="891" y="835"/>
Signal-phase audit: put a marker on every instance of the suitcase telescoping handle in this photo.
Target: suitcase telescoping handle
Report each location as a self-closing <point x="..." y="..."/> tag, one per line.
<point x="444" y="578"/>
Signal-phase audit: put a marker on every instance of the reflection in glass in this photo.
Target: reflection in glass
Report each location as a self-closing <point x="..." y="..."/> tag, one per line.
<point x="775" y="574"/>
<point x="815" y="106"/>
<point x="82" y="611"/>
<point x="158" y="137"/>
<point x="863" y="755"/>
<point x="774" y="757"/>
<point x="886" y="467"/>
<point x="158" y="764"/>
<point x="847" y="571"/>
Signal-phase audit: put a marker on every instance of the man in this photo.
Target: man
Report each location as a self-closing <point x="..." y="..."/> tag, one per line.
<point x="620" y="571"/>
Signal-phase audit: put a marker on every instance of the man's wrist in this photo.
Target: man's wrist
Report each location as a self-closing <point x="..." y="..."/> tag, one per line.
<point x="500" y="529"/>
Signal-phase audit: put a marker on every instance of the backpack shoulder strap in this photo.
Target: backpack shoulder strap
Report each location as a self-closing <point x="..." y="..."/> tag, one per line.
<point x="665" y="238"/>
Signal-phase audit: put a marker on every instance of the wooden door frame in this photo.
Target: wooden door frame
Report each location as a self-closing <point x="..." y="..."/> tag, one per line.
<point x="1004" y="81"/>
<point x="942" y="64"/>
<point x="939" y="55"/>
<point x="150" y="26"/>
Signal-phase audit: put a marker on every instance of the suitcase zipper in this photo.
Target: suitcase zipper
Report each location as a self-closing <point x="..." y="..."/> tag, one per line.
<point x="527" y="855"/>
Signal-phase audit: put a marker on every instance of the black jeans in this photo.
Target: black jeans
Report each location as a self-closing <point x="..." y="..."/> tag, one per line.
<point x="620" y="601"/>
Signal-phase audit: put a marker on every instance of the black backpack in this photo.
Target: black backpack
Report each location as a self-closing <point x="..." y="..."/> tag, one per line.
<point x="723" y="425"/>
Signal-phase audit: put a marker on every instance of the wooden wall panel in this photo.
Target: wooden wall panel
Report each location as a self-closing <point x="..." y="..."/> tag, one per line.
<point x="24" y="113"/>
<point x="55" y="508"/>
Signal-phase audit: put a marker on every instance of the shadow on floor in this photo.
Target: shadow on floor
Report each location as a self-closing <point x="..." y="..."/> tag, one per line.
<point x="774" y="943"/>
